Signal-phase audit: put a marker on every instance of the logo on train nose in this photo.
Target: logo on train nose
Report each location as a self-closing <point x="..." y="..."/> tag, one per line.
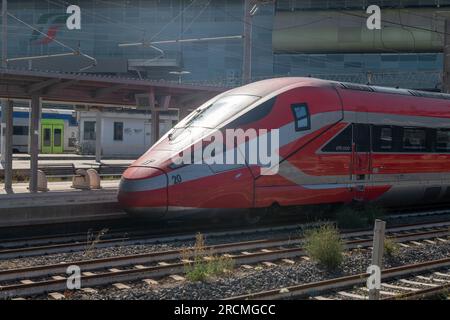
<point x="235" y="147"/>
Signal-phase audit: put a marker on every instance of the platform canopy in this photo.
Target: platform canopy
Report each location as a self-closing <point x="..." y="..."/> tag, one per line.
<point x="83" y="88"/>
<point x="90" y="90"/>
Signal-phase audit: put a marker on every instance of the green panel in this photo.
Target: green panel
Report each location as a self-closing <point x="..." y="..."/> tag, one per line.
<point x="52" y="136"/>
<point x="46" y="138"/>
<point x="58" y="139"/>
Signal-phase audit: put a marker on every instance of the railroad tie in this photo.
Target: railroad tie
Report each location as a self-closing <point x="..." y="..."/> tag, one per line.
<point x="266" y="250"/>
<point x="386" y="293"/>
<point x="58" y="278"/>
<point x="269" y="264"/>
<point x="26" y="281"/>
<point x="429" y="241"/>
<point x="246" y="266"/>
<point x="442" y="274"/>
<point x="416" y="243"/>
<point x="288" y="261"/>
<point x="392" y="286"/>
<point x="352" y="295"/>
<point x="56" y="296"/>
<point x="177" y="277"/>
<point x="404" y="245"/>
<point x="89" y="290"/>
<point x="322" y="298"/>
<point x="140" y="266"/>
<point x="87" y="273"/>
<point x="121" y="286"/>
<point x="415" y="283"/>
<point x="163" y="264"/>
<point x="114" y="270"/>
<point x="441" y="240"/>
<point x="151" y="282"/>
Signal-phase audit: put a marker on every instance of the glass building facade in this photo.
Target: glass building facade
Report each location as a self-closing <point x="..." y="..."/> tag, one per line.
<point x="280" y="47"/>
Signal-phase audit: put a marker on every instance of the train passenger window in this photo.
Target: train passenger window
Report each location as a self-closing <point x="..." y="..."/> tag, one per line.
<point x="361" y="137"/>
<point x="301" y="116"/>
<point x="340" y="143"/>
<point x="20" y="130"/>
<point x="414" y="139"/>
<point x="382" y="138"/>
<point x="443" y="140"/>
<point x="89" y="130"/>
<point x="118" y="131"/>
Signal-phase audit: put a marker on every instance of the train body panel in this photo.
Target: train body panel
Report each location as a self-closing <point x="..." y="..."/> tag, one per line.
<point x="337" y="143"/>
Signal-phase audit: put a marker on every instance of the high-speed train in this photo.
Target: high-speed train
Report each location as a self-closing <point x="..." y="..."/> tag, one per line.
<point x="336" y="143"/>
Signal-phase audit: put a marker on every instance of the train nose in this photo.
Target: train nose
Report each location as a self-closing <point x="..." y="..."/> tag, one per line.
<point x="143" y="191"/>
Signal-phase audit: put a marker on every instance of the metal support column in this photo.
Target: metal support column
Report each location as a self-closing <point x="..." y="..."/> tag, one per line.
<point x="35" y="117"/>
<point x="155" y="125"/>
<point x="446" y="72"/>
<point x="98" y="136"/>
<point x="247" y="58"/>
<point x="8" y="141"/>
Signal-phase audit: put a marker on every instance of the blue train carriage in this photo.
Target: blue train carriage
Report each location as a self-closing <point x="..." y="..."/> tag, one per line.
<point x="58" y="130"/>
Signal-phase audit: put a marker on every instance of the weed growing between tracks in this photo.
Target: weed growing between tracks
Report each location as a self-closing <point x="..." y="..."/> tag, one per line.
<point x="201" y="264"/>
<point x="325" y="246"/>
<point x="391" y="248"/>
<point x="92" y="241"/>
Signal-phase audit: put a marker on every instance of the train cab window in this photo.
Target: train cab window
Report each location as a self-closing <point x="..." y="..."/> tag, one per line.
<point x="361" y="137"/>
<point x="301" y="116"/>
<point x="382" y="138"/>
<point x="340" y="143"/>
<point x="414" y="139"/>
<point x="443" y="140"/>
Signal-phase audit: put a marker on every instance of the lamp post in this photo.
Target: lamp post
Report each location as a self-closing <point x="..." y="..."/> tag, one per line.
<point x="179" y="74"/>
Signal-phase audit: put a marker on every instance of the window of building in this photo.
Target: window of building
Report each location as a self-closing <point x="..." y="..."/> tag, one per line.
<point x="20" y="130"/>
<point x="414" y="139"/>
<point x="382" y="138"/>
<point x="341" y="143"/>
<point x="89" y="130"/>
<point x="443" y="140"/>
<point x="301" y="116"/>
<point x="118" y="131"/>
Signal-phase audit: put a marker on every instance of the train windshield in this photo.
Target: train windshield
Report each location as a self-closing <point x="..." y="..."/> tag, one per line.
<point x="216" y="113"/>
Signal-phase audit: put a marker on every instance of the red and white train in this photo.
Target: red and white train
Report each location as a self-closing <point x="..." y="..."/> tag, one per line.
<point x="338" y="143"/>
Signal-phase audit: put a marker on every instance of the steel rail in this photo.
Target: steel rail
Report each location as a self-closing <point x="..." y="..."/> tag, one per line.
<point x="164" y="270"/>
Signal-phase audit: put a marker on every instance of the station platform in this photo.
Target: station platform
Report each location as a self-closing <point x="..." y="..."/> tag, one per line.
<point x="79" y="163"/>
<point x="68" y="156"/>
<point x="60" y="204"/>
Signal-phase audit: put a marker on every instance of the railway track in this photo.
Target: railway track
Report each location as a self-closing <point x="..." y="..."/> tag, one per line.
<point x="74" y="242"/>
<point x="97" y="272"/>
<point x="415" y="281"/>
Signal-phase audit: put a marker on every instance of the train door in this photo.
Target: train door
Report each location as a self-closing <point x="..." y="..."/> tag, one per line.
<point x="361" y="160"/>
<point x="52" y="136"/>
